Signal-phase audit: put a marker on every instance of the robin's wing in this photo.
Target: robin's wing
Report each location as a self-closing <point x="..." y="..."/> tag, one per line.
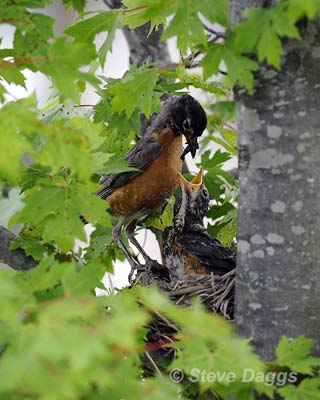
<point x="208" y="250"/>
<point x="144" y="152"/>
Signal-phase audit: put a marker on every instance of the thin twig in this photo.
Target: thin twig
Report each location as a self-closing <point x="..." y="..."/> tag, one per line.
<point x="166" y="320"/>
<point x="223" y="72"/>
<point x="153" y="363"/>
<point x="219" y="35"/>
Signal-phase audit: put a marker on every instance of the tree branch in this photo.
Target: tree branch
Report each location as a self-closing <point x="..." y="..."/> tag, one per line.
<point x="16" y="259"/>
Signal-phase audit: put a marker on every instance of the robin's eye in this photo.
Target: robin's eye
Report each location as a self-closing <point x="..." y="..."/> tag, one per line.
<point x="186" y="124"/>
<point x="205" y="193"/>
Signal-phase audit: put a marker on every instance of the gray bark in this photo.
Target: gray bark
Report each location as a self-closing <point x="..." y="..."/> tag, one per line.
<point x="16" y="259"/>
<point x="278" y="279"/>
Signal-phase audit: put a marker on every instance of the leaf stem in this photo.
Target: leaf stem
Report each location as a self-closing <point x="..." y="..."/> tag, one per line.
<point x="135" y="9"/>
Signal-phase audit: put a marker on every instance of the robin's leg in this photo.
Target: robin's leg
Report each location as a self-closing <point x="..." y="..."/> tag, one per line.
<point x="152" y="266"/>
<point x="116" y="234"/>
<point x="130" y="235"/>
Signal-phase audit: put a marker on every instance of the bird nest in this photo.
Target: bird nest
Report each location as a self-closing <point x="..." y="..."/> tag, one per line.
<point x="216" y="294"/>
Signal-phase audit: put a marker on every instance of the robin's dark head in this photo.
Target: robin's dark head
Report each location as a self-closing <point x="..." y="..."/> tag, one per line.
<point x="184" y="115"/>
<point x="193" y="204"/>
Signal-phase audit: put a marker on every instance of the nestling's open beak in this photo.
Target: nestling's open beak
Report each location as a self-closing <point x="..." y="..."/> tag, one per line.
<point x="198" y="179"/>
<point x="194" y="184"/>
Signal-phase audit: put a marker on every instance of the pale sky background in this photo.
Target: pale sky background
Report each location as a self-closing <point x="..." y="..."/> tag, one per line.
<point x="117" y="63"/>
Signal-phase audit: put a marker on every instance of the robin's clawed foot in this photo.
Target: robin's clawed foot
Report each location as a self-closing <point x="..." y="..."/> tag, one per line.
<point x="158" y="270"/>
<point x="151" y="271"/>
<point x="135" y="267"/>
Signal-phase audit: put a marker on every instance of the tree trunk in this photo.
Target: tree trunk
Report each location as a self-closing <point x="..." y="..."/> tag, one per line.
<point x="278" y="279"/>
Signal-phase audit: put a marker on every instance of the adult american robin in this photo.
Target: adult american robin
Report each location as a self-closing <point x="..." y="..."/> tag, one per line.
<point x="187" y="247"/>
<point x="158" y="159"/>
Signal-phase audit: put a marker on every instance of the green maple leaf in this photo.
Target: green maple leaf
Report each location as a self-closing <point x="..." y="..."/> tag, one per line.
<point x="270" y="48"/>
<point x="124" y="125"/>
<point x="296" y="9"/>
<point x="216" y="211"/>
<point x="10" y="206"/>
<point x="219" y="350"/>
<point x="86" y="31"/>
<point x="53" y="209"/>
<point x="282" y="23"/>
<point x="224" y="111"/>
<point x="187" y="80"/>
<point x="269" y="25"/>
<point x="82" y="280"/>
<point x="78" y="5"/>
<point x="26" y="3"/>
<point x="31" y="246"/>
<point x="187" y="26"/>
<point x="17" y="123"/>
<point x="11" y="73"/>
<point x="121" y="129"/>
<point x="228" y="141"/>
<point x="2" y="92"/>
<point x="107" y="44"/>
<point x="12" y="146"/>
<point x="71" y="146"/>
<point x="33" y="31"/>
<point x="136" y="90"/>
<point x="167" y="215"/>
<point x="116" y="165"/>
<point x="63" y="64"/>
<point x="120" y="126"/>
<point x="101" y="249"/>
<point x="32" y="174"/>
<point x="238" y="390"/>
<point x="307" y="390"/>
<point x="218" y="158"/>
<point x="295" y="354"/>
<point x="239" y="68"/>
<point x="215" y="10"/>
<point x="143" y="11"/>
<point x="212" y="60"/>
<point x="12" y="299"/>
<point x="30" y="25"/>
<point x="229" y="228"/>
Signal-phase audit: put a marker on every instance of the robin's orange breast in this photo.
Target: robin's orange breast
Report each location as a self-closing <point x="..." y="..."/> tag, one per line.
<point x="147" y="191"/>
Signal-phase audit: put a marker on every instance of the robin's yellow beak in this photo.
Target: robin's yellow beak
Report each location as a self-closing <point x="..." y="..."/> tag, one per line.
<point x="194" y="184"/>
